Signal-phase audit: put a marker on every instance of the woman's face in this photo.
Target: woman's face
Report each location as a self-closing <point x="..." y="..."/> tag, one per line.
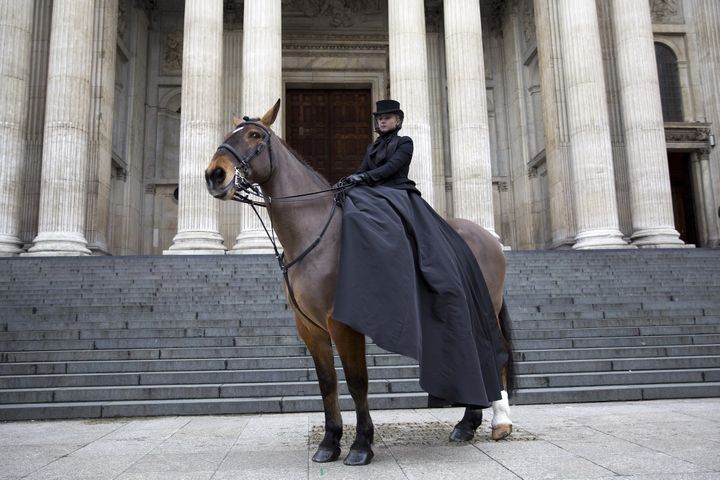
<point x="388" y="121"/>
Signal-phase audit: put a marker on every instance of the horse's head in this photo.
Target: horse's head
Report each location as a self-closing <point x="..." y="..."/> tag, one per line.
<point x="244" y="158"/>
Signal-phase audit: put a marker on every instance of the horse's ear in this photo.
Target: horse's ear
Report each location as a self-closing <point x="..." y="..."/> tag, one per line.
<point x="269" y="118"/>
<point x="236" y="121"/>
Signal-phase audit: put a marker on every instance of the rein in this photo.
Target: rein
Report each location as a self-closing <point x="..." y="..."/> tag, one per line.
<point x="245" y="189"/>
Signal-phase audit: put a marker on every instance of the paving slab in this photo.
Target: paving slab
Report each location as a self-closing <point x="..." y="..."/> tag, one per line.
<point x="645" y="440"/>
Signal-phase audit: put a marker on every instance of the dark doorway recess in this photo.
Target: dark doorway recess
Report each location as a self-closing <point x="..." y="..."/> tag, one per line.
<point x="329" y="128"/>
<point x="682" y="196"/>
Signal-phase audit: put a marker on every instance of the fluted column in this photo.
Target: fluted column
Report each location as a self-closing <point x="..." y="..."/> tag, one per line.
<point x="16" y="20"/>
<point x="707" y="21"/>
<point x="710" y="211"/>
<point x="261" y="87"/>
<point x="231" y="212"/>
<point x="101" y="125"/>
<point x="649" y="178"/>
<point x="554" y="126"/>
<point x="61" y="219"/>
<point x="468" y="117"/>
<point x="200" y="131"/>
<point x="409" y="84"/>
<point x="592" y="169"/>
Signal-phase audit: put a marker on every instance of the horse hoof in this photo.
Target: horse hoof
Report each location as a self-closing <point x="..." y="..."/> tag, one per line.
<point x="501" y="431"/>
<point x="461" y="435"/>
<point x="325" y="454"/>
<point x="359" y="457"/>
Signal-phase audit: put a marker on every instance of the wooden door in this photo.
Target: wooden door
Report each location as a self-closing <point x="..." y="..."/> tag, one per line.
<point x="329" y="128"/>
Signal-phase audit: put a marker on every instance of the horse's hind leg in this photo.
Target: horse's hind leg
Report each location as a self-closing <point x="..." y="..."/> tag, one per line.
<point x="501" y="423"/>
<point x="464" y="431"/>
<point x="318" y="342"/>
<point x="351" y="348"/>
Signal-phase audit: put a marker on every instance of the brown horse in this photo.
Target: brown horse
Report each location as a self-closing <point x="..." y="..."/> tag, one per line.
<point x="252" y="153"/>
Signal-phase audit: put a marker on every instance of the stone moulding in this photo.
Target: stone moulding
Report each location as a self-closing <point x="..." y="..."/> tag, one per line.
<point x="687" y="136"/>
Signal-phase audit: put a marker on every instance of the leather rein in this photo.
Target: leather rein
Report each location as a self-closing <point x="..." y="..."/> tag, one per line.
<point x="245" y="190"/>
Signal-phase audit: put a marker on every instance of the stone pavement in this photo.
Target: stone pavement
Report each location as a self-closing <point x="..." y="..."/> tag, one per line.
<point x="650" y="440"/>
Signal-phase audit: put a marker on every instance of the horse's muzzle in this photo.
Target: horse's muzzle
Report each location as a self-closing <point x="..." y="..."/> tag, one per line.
<point x="214" y="183"/>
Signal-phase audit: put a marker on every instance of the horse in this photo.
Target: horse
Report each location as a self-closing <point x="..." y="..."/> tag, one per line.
<point x="303" y="214"/>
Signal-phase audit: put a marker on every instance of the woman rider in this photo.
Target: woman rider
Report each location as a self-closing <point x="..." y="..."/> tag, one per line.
<point x="410" y="282"/>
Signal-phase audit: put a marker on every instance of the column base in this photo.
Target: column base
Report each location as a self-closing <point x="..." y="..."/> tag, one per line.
<point x="253" y="242"/>
<point x="99" y="248"/>
<point x="10" y="246"/>
<point x="658" y="238"/>
<point x="562" y="244"/>
<point x="196" y="242"/>
<point x="54" y="244"/>
<point x="600" y="239"/>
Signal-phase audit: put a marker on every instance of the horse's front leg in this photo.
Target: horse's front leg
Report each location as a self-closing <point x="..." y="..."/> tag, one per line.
<point x="351" y="348"/>
<point x="318" y="342"/>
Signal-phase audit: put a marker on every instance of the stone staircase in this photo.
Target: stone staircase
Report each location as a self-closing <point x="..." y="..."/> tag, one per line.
<point x="136" y="336"/>
<point x="615" y="325"/>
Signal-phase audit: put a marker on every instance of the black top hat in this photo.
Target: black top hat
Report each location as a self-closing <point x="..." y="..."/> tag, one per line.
<point x="388" y="106"/>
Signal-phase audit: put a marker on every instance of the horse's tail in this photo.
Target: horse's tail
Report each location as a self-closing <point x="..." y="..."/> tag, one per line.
<point x="504" y="320"/>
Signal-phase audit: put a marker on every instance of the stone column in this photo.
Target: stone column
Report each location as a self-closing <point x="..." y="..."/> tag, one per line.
<point x="231" y="212"/>
<point x="261" y="87"/>
<point x="589" y="127"/>
<point x="16" y="21"/>
<point x="468" y="117"/>
<point x="101" y="125"/>
<point x="649" y="178"/>
<point x="200" y="130"/>
<point x="561" y="214"/>
<point x="409" y="84"/>
<point x="63" y="194"/>
<point x="711" y="210"/>
<point x="438" y="119"/>
<point x="706" y="17"/>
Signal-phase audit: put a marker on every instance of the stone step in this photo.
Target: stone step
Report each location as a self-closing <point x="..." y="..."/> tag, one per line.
<point x="628" y="341"/>
<point x="85" y="334"/>
<point x="616" y="352"/>
<point x="219" y="406"/>
<point x="196" y="391"/>
<point x="612" y="393"/>
<point x="165" y="365"/>
<point x="627" y="377"/>
<point x="616" y="364"/>
<point x="190" y="377"/>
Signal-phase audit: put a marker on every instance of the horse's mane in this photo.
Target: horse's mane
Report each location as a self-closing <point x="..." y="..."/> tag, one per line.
<point x="303" y="162"/>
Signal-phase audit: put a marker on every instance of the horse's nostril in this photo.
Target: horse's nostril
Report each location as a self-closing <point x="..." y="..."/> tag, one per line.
<point x="218" y="175"/>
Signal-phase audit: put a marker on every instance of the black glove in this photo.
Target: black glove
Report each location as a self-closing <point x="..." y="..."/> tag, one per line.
<point x="357" y="178"/>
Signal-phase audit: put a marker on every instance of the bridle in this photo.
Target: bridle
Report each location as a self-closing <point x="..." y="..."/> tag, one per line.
<point x="245" y="190"/>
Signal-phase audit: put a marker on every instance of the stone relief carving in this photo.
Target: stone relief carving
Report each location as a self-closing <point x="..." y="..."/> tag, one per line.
<point x="172" y="58"/>
<point x="666" y="11"/>
<point x="340" y="13"/>
<point x="122" y="21"/>
<point x="528" y="22"/>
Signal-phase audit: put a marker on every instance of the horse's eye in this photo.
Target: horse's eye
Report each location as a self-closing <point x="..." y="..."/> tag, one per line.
<point x="255" y="135"/>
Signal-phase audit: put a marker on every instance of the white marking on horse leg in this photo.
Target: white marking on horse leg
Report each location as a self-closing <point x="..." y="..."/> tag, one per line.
<point x="501" y="411"/>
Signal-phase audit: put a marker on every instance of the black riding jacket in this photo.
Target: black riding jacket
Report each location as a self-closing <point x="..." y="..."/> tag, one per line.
<point x="387" y="161"/>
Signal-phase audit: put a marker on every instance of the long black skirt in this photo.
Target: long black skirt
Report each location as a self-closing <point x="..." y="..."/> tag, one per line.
<point x="409" y="282"/>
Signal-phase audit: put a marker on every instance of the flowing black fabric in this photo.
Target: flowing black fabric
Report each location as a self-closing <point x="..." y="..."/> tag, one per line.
<point x="409" y="282"/>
